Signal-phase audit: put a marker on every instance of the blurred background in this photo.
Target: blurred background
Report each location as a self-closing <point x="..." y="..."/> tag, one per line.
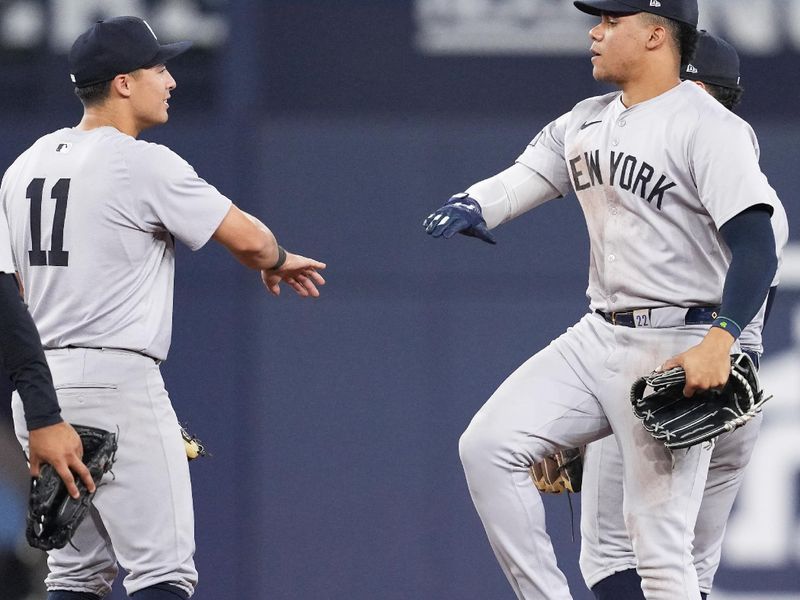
<point x="334" y="423"/>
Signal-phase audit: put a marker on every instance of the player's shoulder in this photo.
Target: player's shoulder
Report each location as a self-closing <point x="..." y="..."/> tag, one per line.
<point x="697" y="105"/>
<point x="38" y="146"/>
<point x="592" y="107"/>
<point x="151" y="157"/>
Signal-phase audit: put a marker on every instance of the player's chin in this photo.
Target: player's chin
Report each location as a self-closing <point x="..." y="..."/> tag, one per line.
<point x="601" y="74"/>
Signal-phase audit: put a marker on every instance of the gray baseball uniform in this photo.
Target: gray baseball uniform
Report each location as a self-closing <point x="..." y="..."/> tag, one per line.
<point x="93" y="216"/>
<point x="6" y="259"/>
<point x="656" y="182"/>
<point x="605" y="545"/>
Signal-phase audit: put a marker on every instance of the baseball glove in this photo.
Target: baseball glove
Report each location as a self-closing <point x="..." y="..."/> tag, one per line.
<point x="560" y="472"/>
<point x="194" y="447"/>
<point x="682" y="422"/>
<point x="53" y="515"/>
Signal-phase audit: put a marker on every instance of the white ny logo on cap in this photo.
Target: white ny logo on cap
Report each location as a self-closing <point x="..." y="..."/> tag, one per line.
<point x="655" y="3"/>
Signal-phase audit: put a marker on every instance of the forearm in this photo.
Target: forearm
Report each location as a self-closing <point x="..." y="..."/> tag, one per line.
<point x="23" y="358"/>
<point x="511" y="193"/>
<point x="750" y="238"/>
<point x="248" y="239"/>
<point x="270" y="252"/>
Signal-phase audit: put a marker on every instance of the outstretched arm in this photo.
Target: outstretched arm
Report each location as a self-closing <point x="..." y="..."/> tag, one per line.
<point x="490" y="202"/>
<point x="511" y="193"/>
<point x="254" y="245"/>
<point x="51" y="440"/>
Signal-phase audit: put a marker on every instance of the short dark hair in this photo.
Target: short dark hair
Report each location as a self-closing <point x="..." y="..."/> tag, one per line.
<point x="91" y="95"/>
<point x="728" y="97"/>
<point x="684" y="35"/>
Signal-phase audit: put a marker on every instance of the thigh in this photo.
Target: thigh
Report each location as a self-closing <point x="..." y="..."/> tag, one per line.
<point x="542" y="406"/>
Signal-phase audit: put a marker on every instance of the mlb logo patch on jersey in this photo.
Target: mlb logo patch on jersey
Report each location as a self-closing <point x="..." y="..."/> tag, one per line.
<point x="64" y="147"/>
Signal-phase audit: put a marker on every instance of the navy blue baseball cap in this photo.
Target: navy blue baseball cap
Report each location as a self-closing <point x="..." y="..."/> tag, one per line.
<point x="118" y="45"/>
<point x="715" y="62"/>
<point x="685" y="11"/>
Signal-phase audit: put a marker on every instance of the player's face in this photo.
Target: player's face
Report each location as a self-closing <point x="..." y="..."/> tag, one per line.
<point x="618" y="44"/>
<point x="150" y="94"/>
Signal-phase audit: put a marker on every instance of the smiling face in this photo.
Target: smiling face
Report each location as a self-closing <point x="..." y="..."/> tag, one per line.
<point x="150" y="90"/>
<point x="619" y="44"/>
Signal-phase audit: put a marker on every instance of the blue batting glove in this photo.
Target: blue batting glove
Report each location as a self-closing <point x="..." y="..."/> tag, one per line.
<point x="460" y="214"/>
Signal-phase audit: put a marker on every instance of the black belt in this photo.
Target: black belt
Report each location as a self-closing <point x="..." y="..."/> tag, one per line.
<point x="140" y="353"/>
<point x="697" y="315"/>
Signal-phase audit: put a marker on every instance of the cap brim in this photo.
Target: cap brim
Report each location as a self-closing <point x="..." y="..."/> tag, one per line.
<point x="598" y="7"/>
<point x="169" y="51"/>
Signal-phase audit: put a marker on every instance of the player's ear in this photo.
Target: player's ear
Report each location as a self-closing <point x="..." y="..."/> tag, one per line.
<point x="122" y="84"/>
<point x="658" y="37"/>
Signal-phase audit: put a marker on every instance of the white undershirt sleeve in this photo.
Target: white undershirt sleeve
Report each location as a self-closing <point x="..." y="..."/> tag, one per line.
<point x="511" y="193"/>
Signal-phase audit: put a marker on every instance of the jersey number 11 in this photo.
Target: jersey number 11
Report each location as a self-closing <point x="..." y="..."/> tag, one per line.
<point x="56" y="256"/>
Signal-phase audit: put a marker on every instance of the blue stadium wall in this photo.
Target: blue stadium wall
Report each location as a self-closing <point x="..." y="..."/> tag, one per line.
<point x="334" y="423"/>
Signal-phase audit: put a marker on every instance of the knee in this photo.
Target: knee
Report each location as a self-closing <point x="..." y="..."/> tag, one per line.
<point x="483" y="443"/>
<point x="476" y="445"/>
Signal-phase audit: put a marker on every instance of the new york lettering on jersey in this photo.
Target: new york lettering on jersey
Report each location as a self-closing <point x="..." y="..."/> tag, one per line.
<point x="625" y="171"/>
<point x="599" y="154"/>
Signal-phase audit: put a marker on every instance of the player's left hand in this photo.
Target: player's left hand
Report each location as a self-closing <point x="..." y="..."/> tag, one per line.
<point x="299" y="273"/>
<point x="707" y="365"/>
<point x="460" y="214"/>
<point x="59" y="445"/>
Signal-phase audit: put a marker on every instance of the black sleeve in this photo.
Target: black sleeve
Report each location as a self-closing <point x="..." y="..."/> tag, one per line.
<point x="751" y="240"/>
<point x="23" y="358"/>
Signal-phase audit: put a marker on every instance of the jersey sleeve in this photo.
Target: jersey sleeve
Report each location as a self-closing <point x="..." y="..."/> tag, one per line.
<point x="545" y="155"/>
<point x="6" y="258"/>
<point x="173" y="197"/>
<point x="723" y="158"/>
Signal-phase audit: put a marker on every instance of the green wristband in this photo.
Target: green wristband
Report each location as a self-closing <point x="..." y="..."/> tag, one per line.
<point x="281" y="259"/>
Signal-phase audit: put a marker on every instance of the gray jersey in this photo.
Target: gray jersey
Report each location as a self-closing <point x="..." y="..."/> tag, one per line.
<point x="6" y="260"/>
<point x="654" y="210"/>
<point x="93" y="216"/>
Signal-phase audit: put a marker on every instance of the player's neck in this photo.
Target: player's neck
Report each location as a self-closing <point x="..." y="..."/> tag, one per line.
<point x="641" y="91"/>
<point x="100" y="117"/>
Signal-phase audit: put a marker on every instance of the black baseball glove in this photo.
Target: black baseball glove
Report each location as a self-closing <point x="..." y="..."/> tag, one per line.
<point x="53" y="515"/>
<point x="561" y="472"/>
<point x="681" y="422"/>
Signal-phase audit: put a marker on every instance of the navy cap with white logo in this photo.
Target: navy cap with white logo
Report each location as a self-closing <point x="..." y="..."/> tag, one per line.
<point x="715" y="62"/>
<point x="685" y="11"/>
<point x="118" y="45"/>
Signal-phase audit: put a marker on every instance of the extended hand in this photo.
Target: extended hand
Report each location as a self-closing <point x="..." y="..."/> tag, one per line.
<point x="60" y="446"/>
<point x="299" y="272"/>
<point x="707" y="365"/>
<point x="460" y="214"/>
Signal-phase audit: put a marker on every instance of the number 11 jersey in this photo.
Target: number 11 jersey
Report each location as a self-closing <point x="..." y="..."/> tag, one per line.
<point x="93" y="216"/>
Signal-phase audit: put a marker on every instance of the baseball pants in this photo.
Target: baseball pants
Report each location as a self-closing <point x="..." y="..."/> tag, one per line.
<point x="605" y="544"/>
<point x="575" y="391"/>
<point x="142" y="515"/>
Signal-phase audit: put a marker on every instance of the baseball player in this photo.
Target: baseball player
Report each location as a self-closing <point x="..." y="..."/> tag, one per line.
<point x="94" y="214"/>
<point x="682" y="250"/>
<point x="52" y="440"/>
<point x="607" y="559"/>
